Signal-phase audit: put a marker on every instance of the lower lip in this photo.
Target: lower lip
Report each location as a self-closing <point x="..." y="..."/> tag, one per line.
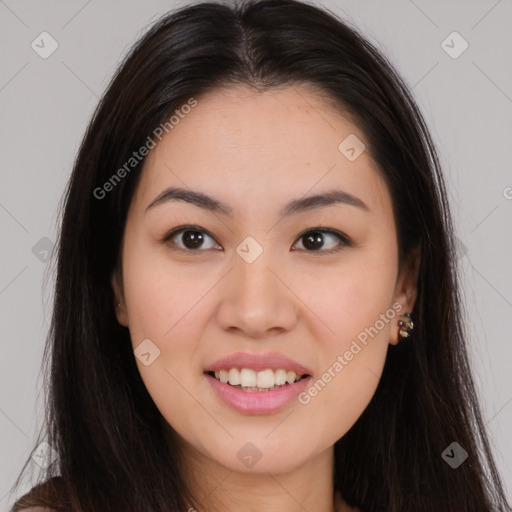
<point x="257" y="402"/>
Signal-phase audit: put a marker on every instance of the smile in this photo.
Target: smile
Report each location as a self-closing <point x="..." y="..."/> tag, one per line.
<point x="250" y="380"/>
<point x="255" y="399"/>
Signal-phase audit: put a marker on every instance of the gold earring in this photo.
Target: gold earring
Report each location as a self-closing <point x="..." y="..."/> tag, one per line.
<point x="406" y="326"/>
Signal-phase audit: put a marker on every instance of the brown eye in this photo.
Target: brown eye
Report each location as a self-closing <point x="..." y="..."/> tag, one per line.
<point x="315" y="239"/>
<point x="193" y="239"/>
<point x="189" y="238"/>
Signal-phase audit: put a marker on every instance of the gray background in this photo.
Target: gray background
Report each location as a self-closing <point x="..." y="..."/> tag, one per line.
<point x="46" y="104"/>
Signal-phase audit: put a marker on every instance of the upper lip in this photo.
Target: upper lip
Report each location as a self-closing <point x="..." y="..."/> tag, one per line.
<point x="258" y="362"/>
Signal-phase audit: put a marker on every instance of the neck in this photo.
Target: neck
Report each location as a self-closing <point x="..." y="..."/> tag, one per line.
<point x="306" y="487"/>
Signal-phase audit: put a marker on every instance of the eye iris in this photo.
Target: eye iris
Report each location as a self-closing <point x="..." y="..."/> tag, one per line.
<point x="192" y="239"/>
<point x="314" y="240"/>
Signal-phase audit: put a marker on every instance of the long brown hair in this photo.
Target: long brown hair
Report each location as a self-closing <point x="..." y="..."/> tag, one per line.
<point x="101" y="421"/>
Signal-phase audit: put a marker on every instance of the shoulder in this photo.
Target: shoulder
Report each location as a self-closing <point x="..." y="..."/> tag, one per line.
<point x="49" y="496"/>
<point x="38" y="509"/>
<point x="340" y="504"/>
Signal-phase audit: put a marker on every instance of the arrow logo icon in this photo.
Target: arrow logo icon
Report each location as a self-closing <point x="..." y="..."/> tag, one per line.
<point x="146" y="352"/>
<point x="249" y="249"/>
<point x="454" y="455"/>
<point x="44" y="45"/>
<point x="351" y="147"/>
<point x="249" y="454"/>
<point x="454" y="45"/>
<point x="42" y="249"/>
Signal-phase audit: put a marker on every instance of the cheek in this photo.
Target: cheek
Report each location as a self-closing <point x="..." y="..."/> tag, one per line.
<point x="351" y="373"/>
<point x="355" y="304"/>
<point x="349" y="301"/>
<point x="160" y="304"/>
<point x="160" y="297"/>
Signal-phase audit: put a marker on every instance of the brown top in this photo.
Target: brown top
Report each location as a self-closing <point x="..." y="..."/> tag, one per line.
<point x="50" y="496"/>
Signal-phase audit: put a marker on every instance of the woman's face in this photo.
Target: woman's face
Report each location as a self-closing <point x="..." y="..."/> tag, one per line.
<point x="256" y="277"/>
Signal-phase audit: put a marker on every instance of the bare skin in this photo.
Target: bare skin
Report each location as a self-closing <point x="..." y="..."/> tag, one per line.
<point x="255" y="152"/>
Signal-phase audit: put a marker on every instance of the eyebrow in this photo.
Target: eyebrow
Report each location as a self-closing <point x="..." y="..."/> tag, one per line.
<point x="293" y="207"/>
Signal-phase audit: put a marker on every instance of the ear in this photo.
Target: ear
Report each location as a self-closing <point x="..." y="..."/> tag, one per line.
<point x="119" y="302"/>
<point x="406" y="290"/>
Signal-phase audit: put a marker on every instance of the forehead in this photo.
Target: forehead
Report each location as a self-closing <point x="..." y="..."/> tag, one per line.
<point x="240" y="143"/>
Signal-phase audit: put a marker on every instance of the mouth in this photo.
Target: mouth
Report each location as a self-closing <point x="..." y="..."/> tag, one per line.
<point x="260" y="392"/>
<point x="257" y="383"/>
<point x="246" y="379"/>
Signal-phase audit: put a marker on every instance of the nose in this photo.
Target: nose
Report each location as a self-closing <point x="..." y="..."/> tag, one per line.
<point x="258" y="299"/>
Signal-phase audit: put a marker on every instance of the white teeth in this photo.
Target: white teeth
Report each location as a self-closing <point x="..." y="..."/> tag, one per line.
<point x="280" y="377"/>
<point x="290" y="377"/>
<point x="264" y="379"/>
<point x="234" y="377"/>
<point x="248" y="378"/>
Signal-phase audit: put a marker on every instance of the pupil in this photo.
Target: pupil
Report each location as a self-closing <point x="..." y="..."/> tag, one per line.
<point x="192" y="239"/>
<point x="314" y="240"/>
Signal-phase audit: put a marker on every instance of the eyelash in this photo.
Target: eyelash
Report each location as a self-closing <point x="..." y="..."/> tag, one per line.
<point x="345" y="241"/>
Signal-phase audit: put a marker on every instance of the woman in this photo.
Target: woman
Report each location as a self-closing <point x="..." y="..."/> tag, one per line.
<point x="256" y="304"/>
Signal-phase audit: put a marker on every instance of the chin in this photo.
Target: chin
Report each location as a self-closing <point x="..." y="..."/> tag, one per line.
<point x="273" y="463"/>
<point x="261" y="453"/>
